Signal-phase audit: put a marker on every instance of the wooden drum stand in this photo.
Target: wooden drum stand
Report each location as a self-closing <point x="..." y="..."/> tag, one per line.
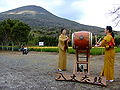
<point x="81" y="64"/>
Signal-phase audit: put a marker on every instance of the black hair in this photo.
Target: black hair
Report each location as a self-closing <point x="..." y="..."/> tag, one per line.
<point x="62" y="29"/>
<point x="109" y="28"/>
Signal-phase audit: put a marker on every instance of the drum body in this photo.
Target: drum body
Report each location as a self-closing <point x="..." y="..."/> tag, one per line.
<point x="82" y="40"/>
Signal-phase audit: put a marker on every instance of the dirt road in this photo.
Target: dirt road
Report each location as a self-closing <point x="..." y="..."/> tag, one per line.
<point x="36" y="71"/>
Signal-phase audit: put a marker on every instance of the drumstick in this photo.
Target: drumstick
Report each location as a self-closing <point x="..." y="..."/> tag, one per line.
<point x="99" y="40"/>
<point x="96" y="39"/>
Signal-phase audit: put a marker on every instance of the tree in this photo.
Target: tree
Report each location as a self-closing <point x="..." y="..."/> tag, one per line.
<point x="116" y="13"/>
<point x="5" y="29"/>
<point x="20" y="32"/>
<point x="13" y="31"/>
<point x="117" y="40"/>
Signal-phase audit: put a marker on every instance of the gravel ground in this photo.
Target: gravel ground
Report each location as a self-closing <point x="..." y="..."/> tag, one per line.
<point x="36" y="71"/>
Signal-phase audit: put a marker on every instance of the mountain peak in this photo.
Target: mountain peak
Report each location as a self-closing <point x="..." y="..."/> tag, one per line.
<point x="30" y="9"/>
<point x="37" y="17"/>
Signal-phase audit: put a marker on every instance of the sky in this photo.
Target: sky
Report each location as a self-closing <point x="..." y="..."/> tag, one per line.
<point x="88" y="12"/>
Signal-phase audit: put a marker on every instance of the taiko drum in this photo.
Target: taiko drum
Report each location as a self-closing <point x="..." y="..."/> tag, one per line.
<point x="82" y="40"/>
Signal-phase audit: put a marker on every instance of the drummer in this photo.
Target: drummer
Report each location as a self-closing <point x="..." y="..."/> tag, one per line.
<point x="62" y="45"/>
<point x="108" y="43"/>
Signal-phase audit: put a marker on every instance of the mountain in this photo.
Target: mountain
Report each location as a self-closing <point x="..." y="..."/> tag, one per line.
<point x="37" y="16"/>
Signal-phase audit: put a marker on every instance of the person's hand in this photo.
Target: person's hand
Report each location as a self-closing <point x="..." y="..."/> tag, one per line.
<point x="67" y="39"/>
<point x="96" y="45"/>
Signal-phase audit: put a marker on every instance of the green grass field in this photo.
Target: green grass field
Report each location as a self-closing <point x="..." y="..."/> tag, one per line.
<point x="93" y="51"/>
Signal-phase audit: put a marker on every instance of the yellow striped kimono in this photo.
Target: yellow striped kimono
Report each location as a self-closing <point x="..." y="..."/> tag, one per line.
<point x="108" y="69"/>
<point x="62" y="53"/>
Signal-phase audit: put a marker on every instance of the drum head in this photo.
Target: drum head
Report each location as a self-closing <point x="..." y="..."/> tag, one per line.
<point x="82" y="40"/>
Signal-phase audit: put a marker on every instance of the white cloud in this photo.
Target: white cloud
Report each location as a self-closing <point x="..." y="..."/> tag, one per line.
<point x="96" y="12"/>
